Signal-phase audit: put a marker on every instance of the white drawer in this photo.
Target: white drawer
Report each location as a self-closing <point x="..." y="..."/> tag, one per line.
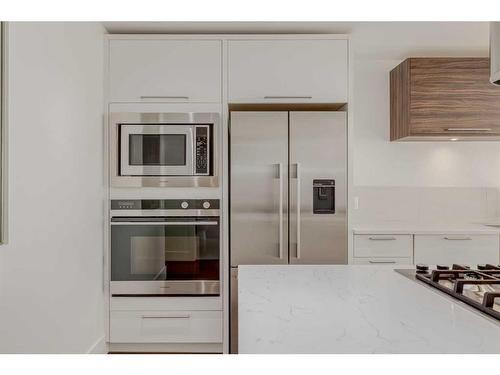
<point x="377" y="245"/>
<point x="166" y="327"/>
<point x="166" y="304"/>
<point x="383" y="261"/>
<point x="461" y="249"/>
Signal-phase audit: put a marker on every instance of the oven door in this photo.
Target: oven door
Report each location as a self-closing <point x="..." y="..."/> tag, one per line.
<point x="156" y="150"/>
<point x="165" y="256"/>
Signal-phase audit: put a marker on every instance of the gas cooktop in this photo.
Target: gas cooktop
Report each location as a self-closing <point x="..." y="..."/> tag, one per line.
<point x="479" y="288"/>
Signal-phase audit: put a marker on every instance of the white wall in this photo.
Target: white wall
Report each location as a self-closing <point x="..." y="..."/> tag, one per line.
<point x="51" y="287"/>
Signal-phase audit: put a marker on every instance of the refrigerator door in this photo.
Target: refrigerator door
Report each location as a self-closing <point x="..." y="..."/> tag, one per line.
<point x="318" y="214"/>
<point x="258" y="188"/>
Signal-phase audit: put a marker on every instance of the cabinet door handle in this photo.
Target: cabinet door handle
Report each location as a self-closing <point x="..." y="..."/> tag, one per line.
<point x="298" y="210"/>
<point x="286" y="97"/>
<point x="382" y="238"/>
<point x="177" y="316"/>
<point x="382" y="261"/>
<point x="457" y="238"/>
<point x="468" y="129"/>
<point x="163" y="97"/>
<point x="280" y="214"/>
<point x="164" y="223"/>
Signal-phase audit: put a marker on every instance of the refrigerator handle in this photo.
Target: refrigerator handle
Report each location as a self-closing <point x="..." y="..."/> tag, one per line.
<point x="280" y="176"/>
<point x="298" y="209"/>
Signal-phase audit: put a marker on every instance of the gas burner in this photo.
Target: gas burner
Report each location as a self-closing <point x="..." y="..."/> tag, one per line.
<point x="422" y="268"/>
<point x="479" y="288"/>
<point x="460" y="267"/>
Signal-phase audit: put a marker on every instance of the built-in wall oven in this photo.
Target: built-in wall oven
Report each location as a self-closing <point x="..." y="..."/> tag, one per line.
<point x="165" y="247"/>
<point x="163" y="149"/>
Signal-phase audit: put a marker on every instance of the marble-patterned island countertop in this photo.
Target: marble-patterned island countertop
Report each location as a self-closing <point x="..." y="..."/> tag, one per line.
<point x="353" y="309"/>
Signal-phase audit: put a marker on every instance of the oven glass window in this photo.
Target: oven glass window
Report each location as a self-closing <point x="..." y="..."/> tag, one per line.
<point x="165" y="251"/>
<point x="157" y="149"/>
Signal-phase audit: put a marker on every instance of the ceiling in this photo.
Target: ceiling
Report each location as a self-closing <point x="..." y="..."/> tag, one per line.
<point x="386" y="40"/>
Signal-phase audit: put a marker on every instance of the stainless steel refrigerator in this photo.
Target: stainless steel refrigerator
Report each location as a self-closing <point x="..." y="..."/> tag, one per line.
<point x="288" y="191"/>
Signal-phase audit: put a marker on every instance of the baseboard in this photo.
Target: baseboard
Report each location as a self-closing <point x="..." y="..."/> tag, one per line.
<point x="99" y="347"/>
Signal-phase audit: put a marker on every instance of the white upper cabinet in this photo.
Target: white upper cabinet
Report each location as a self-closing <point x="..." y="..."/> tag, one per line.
<point x="314" y="71"/>
<point x="165" y="70"/>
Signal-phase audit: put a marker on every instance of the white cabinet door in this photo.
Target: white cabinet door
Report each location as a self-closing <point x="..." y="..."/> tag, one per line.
<point x="165" y="70"/>
<point x="166" y="327"/>
<point x="377" y="245"/>
<point x="459" y="249"/>
<point x="313" y="71"/>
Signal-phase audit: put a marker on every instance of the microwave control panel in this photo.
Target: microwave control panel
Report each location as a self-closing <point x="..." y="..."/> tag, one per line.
<point x="202" y="149"/>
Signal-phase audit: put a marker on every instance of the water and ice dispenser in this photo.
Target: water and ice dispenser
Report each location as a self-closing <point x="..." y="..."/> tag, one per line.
<point x="324" y="196"/>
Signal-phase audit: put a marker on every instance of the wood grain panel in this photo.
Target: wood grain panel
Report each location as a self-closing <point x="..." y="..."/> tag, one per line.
<point x="400" y="101"/>
<point x="443" y="94"/>
<point x="452" y="93"/>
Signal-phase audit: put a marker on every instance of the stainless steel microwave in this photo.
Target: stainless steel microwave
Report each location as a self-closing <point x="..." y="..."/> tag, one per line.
<point x="163" y="149"/>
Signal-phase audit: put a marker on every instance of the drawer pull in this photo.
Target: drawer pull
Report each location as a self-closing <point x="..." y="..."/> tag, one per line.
<point x="163" y="97"/>
<point x="382" y="238"/>
<point x="382" y="261"/>
<point x="468" y="129"/>
<point x="179" y="316"/>
<point x="287" y="97"/>
<point x="457" y="238"/>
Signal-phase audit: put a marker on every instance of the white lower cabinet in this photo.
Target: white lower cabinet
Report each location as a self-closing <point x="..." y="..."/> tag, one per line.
<point x="383" y="249"/>
<point x="459" y="249"/>
<point x="166" y="327"/>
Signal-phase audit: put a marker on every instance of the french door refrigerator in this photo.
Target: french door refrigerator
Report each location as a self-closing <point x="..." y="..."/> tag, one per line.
<point x="288" y="191"/>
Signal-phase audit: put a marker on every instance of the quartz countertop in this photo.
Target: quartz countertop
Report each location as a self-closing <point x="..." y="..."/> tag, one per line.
<point x="430" y="228"/>
<point x="353" y="309"/>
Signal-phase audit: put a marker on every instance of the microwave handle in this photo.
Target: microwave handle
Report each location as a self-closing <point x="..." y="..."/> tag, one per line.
<point x="163" y="223"/>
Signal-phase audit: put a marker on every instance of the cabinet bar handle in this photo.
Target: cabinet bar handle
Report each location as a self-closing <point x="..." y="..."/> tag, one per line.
<point x="287" y="97"/>
<point x="280" y="176"/>
<point x="382" y="238"/>
<point x="468" y="129"/>
<point x="163" y="97"/>
<point x="181" y="316"/>
<point x="382" y="261"/>
<point x="164" y="223"/>
<point x="298" y="210"/>
<point x="457" y="238"/>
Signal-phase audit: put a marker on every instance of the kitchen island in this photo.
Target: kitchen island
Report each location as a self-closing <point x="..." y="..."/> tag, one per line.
<point x="353" y="309"/>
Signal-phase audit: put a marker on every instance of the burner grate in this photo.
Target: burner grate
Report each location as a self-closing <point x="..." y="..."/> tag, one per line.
<point x="460" y="277"/>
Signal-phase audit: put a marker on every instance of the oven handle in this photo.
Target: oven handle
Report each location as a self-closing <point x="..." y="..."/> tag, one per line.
<point x="163" y="223"/>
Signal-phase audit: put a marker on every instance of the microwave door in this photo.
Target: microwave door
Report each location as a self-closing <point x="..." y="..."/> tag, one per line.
<point x="156" y="150"/>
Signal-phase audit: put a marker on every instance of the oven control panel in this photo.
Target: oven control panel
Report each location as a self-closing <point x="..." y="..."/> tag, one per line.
<point x="202" y="149"/>
<point x="164" y="204"/>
